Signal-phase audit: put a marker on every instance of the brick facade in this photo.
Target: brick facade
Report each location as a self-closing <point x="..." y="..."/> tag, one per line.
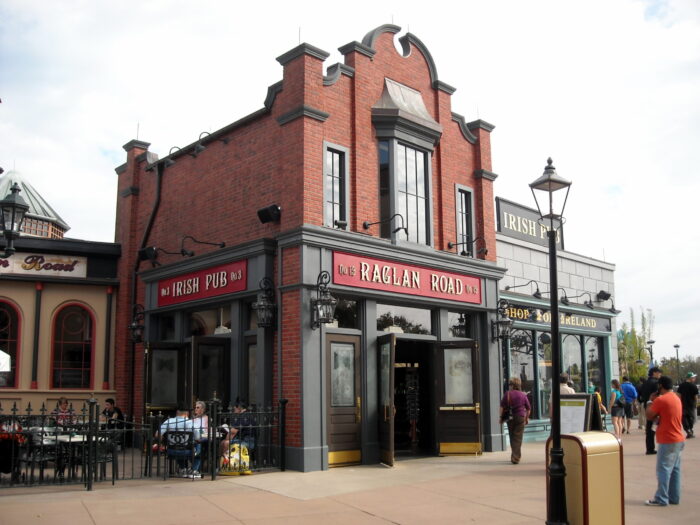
<point x="276" y="156"/>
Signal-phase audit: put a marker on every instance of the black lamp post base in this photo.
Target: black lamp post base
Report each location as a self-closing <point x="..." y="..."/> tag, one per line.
<point x="556" y="501"/>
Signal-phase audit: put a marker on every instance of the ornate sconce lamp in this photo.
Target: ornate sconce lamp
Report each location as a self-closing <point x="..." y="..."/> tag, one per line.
<point x="136" y="326"/>
<point x="500" y="328"/>
<point x="265" y="305"/>
<point x="323" y="307"/>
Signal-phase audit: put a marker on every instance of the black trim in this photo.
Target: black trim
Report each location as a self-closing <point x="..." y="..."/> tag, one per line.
<point x="131" y="190"/>
<point x="135" y="143"/>
<point x="481" y="124"/>
<point x="108" y="337"/>
<point x="272" y="92"/>
<point x="485" y="174"/>
<point x="459" y="119"/>
<point x="120" y="169"/>
<point x="67" y="246"/>
<point x="37" y="331"/>
<point x="335" y="71"/>
<point x="302" y="111"/>
<point x="302" y="49"/>
<point x="391" y="123"/>
<point x="359" y="47"/>
<point x="371" y="37"/>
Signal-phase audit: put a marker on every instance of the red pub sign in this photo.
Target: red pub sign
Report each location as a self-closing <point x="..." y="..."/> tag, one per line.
<point x="388" y="276"/>
<point x="210" y="282"/>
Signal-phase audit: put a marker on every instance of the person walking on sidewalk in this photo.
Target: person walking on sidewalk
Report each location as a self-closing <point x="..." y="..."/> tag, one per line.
<point x="641" y="416"/>
<point x="617" y="408"/>
<point x="688" y="391"/>
<point x="666" y="405"/>
<point x="648" y="388"/>
<point x="515" y="412"/>
<point x="630" y="394"/>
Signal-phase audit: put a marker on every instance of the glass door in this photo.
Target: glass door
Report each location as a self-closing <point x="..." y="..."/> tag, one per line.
<point x="166" y="378"/>
<point x="344" y="400"/>
<point x="211" y="369"/>
<point x="458" y="404"/>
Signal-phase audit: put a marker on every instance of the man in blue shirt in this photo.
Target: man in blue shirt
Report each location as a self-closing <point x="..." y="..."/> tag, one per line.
<point x="181" y="422"/>
<point x="630" y="394"/>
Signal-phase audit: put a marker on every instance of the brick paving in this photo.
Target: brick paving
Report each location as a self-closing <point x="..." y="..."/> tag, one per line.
<point x="486" y="489"/>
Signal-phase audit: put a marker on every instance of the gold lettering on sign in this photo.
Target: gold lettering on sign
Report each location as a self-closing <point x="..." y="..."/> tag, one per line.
<point x="389" y="275"/>
<point x="185" y="287"/>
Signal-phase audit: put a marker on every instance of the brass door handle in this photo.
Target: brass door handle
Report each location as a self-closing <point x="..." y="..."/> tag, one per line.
<point x="358" y="410"/>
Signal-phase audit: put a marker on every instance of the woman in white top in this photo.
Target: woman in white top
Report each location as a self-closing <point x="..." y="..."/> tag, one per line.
<point x="200" y="420"/>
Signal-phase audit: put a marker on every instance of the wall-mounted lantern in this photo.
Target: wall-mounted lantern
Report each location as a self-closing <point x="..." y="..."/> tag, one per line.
<point x="323" y="307"/>
<point x="265" y="305"/>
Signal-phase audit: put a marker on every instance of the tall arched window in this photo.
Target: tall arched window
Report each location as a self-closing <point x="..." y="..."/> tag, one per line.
<point x="72" y="348"/>
<point x="9" y="333"/>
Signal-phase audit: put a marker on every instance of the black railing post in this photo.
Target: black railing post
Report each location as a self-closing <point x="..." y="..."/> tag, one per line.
<point x="283" y="431"/>
<point x="91" y="435"/>
<point x="214" y="410"/>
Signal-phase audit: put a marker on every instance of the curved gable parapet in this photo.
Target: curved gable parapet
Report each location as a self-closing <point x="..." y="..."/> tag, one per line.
<point x="335" y="71"/>
<point x="406" y="41"/>
<point x="272" y="92"/>
<point x="410" y="38"/>
<point x="466" y="133"/>
<point x="371" y="37"/>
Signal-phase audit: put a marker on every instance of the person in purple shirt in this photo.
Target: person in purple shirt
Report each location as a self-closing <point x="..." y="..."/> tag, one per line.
<point x="515" y="412"/>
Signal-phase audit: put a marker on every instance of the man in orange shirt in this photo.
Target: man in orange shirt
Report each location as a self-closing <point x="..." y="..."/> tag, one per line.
<point x="670" y="439"/>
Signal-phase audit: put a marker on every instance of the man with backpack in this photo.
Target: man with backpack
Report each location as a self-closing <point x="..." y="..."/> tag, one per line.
<point x="650" y="387"/>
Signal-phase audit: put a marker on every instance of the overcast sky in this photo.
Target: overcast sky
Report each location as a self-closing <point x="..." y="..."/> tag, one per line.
<point x="609" y="89"/>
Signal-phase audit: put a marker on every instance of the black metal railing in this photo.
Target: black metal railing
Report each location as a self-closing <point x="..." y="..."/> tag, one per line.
<point x="40" y="447"/>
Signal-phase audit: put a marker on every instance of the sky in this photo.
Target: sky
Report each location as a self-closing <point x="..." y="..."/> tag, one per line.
<point x="610" y="89"/>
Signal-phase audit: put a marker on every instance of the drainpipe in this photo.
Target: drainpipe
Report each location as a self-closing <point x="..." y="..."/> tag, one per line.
<point x="160" y="168"/>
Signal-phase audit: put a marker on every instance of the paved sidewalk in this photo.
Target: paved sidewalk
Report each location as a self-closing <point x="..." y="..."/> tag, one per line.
<point x="486" y="489"/>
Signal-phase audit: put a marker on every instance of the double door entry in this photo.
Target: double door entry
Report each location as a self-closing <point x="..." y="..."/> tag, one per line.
<point x="180" y="374"/>
<point x="427" y="398"/>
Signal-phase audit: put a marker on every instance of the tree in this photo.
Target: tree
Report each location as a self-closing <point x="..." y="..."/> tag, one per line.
<point x="670" y="367"/>
<point x="633" y="357"/>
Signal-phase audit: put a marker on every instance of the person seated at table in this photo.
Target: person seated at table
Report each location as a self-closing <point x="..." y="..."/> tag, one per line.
<point x="201" y="420"/>
<point x="63" y="413"/>
<point x="113" y="415"/>
<point x="241" y="429"/>
<point x="182" y="423"/>
<point x="11" y="437"/>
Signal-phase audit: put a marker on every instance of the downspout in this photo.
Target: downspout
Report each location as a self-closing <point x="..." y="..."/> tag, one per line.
<point x="160" y="168"/>
<point x="280" y="394"/>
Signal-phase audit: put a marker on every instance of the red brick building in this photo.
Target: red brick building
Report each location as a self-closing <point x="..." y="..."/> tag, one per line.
<point x="365" y="173"/>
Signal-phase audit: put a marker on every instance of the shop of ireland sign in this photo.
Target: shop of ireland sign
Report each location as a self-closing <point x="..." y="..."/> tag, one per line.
<point x="532" y="314"/>
<point x="211" y="282"/>
<point x="388" y="276"/>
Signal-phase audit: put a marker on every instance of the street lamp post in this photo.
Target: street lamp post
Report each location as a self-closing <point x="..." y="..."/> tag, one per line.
<point x="12" y="211"/>
<point x="678" y="363"/>
<point x="549" y="183"/>
<point x="651" y="352"/>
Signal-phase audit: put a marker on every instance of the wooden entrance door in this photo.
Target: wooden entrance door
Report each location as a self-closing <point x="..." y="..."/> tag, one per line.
<point x="386" y="345"/>
<point x="344" y="399"/>
<point x="458" y="404"/>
